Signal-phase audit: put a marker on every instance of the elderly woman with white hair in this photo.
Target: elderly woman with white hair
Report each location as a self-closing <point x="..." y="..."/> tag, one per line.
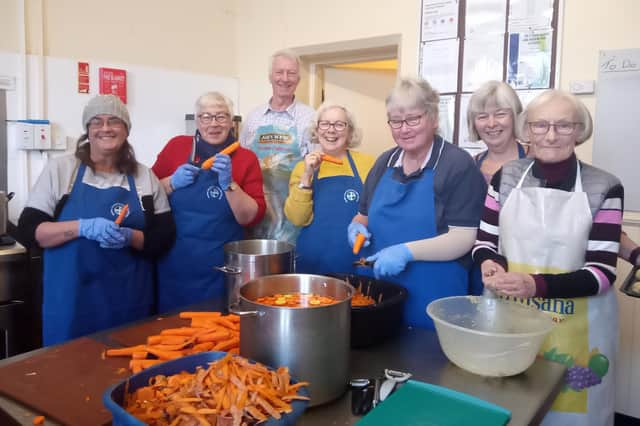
<point x="211" y="206"/>
<point x="324" y="193"/>
<point x="421" y="205"/>
<point x="549" y="237"/>
<point x="97" y="273"/>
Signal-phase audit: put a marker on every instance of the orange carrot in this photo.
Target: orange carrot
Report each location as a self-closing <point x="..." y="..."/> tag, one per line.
<point x="38" y="420"/>
<point x="330" y="159"/>
<point x="122" y="214"/>
<point x="124" y="351"/>
<point x="188" y="314"/>
<point x="360" y="239"/>
<point x="206" y="164"/>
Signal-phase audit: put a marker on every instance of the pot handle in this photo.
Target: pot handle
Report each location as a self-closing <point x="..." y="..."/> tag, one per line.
<point x="232" y="270"/>
<point x="235" y="309"/>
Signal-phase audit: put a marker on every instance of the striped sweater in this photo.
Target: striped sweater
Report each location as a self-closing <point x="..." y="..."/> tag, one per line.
<point x="606" y="196"/>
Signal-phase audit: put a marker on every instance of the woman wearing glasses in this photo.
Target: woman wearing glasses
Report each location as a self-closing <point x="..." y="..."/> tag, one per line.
<point x="323" y="195"/>
<point x="210" y="207"/>
<point x="421" y="205"/>
<point x="549" y="238"/>
<point x="97" y="274"/>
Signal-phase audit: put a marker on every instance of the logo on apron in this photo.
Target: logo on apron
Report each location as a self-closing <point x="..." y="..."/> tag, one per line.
<point x="351" y="196"/>
<point x="116" y="208"/>
<point x="214" y="192"/>
<point x="275" y="137"/>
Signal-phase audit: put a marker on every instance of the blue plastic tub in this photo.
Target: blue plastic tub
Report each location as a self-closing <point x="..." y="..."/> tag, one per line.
<point x="114" y="396"/>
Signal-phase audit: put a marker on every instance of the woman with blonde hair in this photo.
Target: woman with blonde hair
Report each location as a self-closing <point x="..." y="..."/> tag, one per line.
<point x="323" y="195"/>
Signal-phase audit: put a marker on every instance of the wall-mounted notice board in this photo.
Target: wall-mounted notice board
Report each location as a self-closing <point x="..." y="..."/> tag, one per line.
<point x="616" y="138"/>
<point x="464" y="43"/>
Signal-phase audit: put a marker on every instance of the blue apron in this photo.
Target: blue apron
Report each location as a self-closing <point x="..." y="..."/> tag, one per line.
<point x="403" y="212"/>
<point x="88" y="288"/>
<point x="322" y="247"/>
<point x="204" y="224"/>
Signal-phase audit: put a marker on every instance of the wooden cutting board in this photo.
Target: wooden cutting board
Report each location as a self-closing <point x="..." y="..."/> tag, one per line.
<point x="65" y="383"/>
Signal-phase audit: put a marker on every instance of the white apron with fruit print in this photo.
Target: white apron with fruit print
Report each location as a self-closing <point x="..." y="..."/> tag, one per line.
<point x="544" y="230"/>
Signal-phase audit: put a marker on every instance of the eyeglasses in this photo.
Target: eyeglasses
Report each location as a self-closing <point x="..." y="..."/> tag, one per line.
<point x="497" y="115"/>
<point x="412" y="121"/>
<point x="339" y="126"/>
<point x="562" y="128"/>
<point x="206" y="118"/>
<point x="112" y="122"/>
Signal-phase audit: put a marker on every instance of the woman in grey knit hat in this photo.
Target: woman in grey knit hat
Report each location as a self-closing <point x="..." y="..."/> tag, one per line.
<point x="101" y="217"/>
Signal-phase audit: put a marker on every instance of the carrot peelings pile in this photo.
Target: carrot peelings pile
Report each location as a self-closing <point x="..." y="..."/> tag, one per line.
<point x="208" y="331"/>
<point x="231" y="390"/>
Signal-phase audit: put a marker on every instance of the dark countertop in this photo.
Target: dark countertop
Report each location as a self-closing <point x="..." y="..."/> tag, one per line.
<point x="528" y="395"/>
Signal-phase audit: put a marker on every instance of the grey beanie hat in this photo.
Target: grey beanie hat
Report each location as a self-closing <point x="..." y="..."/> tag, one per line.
<point x="106" y="104"/>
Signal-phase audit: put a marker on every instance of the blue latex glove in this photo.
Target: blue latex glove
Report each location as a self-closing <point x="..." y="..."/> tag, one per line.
<point x="184" y="175"/>
<point x="391" y="260"/>
<point x="356" y="228"/>
<point x="126" y="234"/>
<point x="101" y="230"/>
<point x="222" y="166"/>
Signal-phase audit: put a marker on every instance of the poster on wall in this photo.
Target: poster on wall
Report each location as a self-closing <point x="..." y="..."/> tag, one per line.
<point x="114" y="81"/>
<point x="83" y="77"/>
<point x="439" y="64"/>
<point x="529" y="64"/>
<point x="439" y="19"/>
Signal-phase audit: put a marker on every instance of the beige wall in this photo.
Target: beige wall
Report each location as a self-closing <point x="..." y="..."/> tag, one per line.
<point x="363" y="92"/>
<point x="590" y="26"/>
<point x="9" y="28"/>
<point x="192" y="35"/>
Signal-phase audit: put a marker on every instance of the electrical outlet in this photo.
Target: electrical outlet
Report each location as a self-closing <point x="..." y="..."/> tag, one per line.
<point x="582" y="87"/>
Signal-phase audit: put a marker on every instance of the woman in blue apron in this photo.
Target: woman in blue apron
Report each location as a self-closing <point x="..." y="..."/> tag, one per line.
<point x="97" y="274"/>
<point x="551" y="229"/>
<point x="491" y="118"/>
<point x="323" y="195"/>
<point x="420" y="206"/>
<point x="211" y="207"/>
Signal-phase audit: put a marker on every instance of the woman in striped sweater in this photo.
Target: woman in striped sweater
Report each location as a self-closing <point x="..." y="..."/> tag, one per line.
<point x="549" y="238"/>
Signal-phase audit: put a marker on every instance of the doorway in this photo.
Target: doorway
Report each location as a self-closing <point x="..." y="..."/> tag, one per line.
<point x="357" y="73"/>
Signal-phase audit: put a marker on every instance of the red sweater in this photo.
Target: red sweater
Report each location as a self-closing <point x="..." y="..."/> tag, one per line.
<point x="245" y="168"/>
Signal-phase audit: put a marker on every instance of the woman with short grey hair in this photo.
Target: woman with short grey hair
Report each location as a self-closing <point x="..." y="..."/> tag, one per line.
<point x="211" y="205"/>
<point x="549" y="238"/>
<point x="421" y="205"/>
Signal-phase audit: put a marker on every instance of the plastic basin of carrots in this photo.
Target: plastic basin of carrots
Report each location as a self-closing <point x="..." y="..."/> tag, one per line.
<point x="114" y="397"/>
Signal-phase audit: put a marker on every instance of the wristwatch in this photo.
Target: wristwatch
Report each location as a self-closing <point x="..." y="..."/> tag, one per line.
<point x="303" y="186"/>
<point x="232" y="186"/>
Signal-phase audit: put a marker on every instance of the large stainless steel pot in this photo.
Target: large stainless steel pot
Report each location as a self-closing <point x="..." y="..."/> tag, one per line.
<point x="313" y="342"/>
<point x="248" y="259"/>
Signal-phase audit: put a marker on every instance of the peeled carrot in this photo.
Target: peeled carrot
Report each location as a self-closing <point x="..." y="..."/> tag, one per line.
<point x="206" y="164"/>
<point x="124" y="351"/>
<point x="122" y="214"/>
<point x="357" y="245"/>
<point x="330" y="159"/>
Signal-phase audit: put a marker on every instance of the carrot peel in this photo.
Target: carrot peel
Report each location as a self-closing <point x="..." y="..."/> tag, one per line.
<point x="208" y="163"/>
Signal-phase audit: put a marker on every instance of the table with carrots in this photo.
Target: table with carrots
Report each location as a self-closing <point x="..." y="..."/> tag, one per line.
<point x="65" y="383"/>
